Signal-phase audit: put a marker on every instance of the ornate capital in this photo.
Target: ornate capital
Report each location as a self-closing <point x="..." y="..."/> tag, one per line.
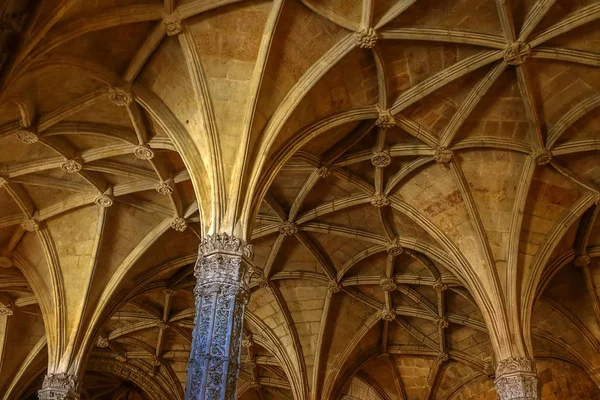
<point x="172" y="24"/>
<point x="288" y="228"/>
<point x="59" y="387"/>
<point x="385" y="119"/>
<point x="121" y="97"/>
<point x="516" y="53"/>
<point x="381" y="159"/>
<point x="542" y="157"/>
<point x="143" y="152"/>
<point x="388" y="314"/>
<point x="103" y="200"/>
<point x="28" y="135"/>
<point x="366" y="38"/>
<point x="388" y="284"/>
<point x="442" y="155"/>
<point x="380" y="200"/>
<point x="71" y="166"/>
<point x="394" y="249"/>
<point x="516" y="379"/>
<point x="164" y="188"/>
<point x="179" y="224"/>
<point x="226" y="243"/>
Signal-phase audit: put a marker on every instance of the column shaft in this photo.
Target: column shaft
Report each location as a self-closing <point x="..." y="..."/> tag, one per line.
<point x="221" y="296"/>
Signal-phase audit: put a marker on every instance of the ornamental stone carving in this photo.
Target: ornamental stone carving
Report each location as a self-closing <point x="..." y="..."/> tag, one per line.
<point x="542" y="157"/>
<point x="3" y="181"/>
<point x="380" y="200"/>
<point x="222" y="292"/>
<point x="143" y="152"/>
<point x="388" y="284"/>
<point x="442" y="323"/>
<point x="288" y="228"/>
<point x="334" y="286"/>
<point x="172" y="24"/>
<point x="439" y="286"/>
<point x="179" y="224"/>
<point x="59" y="387"/>
<point x="121" y="97"/>
<point x="262" y="282"/>
<point x="247" y="341"/>
<point x="516" y="379"/>
<point x="442" y="155"/>
<point x="31" y="224"/>
<point x="394" y="249"/>
<point x="164" y="188"/>
<point x="6" y="309"/>
<point x="366" y="38"/>
<point x="582" y="260"/>
<point x="162" y="324"/>
<point x="385" y="120"/>
<point x="324" y="172"/>
<point x="28" y="135"/>
<point x="388" y="314"/>
<point x="5" y="262"/>
<point x="381" y="159"/>
<point x="442" y="358"/>
<point x="102" y="342"/>
<point x="121" y="358"/>
<point x="103" y="200"/>
<point x="71" y="166"/>
<point x="516" y="53"/>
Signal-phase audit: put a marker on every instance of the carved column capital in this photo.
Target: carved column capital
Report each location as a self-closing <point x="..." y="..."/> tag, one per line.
<point x="59" y="387"/>
<point x="516" y="379"/>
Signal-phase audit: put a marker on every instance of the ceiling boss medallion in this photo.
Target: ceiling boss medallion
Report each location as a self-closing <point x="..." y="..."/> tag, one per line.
<point x="516" y="53"/>
<point x="366" y="38"/>
<point x="28" y="135"/>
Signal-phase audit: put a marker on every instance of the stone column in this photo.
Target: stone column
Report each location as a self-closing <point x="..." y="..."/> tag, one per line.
<point x="59" y="387"/>
<point x="516" y="379"/>
<point x="221" y="296"/>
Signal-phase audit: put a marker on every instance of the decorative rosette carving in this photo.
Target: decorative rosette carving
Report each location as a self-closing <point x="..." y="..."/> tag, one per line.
<point x="6" y="309"/>
<point x="172" y="24"/>
<point x="334" y="286"/>
<point x="542" y="157"/>
<point x="143" y="152"/>
<point x="380" y="200"/>
<point x="395" y="248"/>
<point x="179" y="224"/>
<point x="31" y="224"/>
<point x="381" y="159"/>
<point x="582" y="260"/>
<point x="164" y="188"/>
<point x="121" y="97"/>
<point x="516" y="53"/>
<point x="388" y="284"/>
<point x="102" y="342"/>
<point x="439" y="286"/>
<point x="71" y="166"/>
<point x="288" y="228"/>
<point x="442" y="155"/>
<point x="366" y="38"/>
<point x="324" y="171"/>
<point x="388" y="314"/>
<point x="103" y="200"/>
<point x="442" y="323"/>
<point x="385" y="120"/>
<point x="28" y="135"/>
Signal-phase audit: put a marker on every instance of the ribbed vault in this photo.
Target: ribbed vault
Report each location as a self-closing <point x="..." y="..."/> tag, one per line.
<point x="418" y="180"/>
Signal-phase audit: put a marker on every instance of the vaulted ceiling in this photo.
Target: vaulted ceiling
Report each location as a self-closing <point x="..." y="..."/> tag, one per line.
<point x="414" y="176"/>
